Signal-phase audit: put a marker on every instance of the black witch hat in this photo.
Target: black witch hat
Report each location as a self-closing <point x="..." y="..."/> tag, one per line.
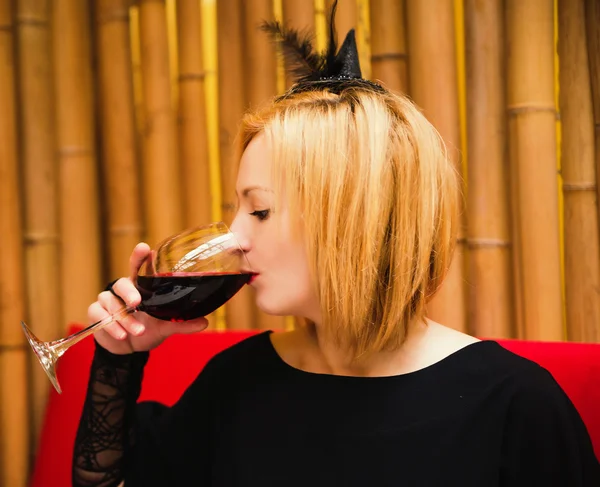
<point x="331" y="70"/>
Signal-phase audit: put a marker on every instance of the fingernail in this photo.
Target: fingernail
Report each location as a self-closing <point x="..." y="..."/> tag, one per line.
<point x="122" y="335"/>
<point x="138" y="329"/>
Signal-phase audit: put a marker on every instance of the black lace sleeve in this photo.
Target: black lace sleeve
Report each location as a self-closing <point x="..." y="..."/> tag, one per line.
<point x="105" y="433"/>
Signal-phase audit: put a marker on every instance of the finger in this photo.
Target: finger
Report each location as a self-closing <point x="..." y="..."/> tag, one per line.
<point x="137" y="259"/>
<point x="127" y="321"/>
<point x="168" y="328"/>
<point x="97" y="312"/>
<point x="127" y="291"/>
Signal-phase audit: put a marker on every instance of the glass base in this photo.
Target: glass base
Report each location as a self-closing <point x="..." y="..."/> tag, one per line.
<point x="45" y="356"/>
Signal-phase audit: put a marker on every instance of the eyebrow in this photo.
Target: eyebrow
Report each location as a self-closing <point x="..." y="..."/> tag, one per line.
<point x="249" y="189"/>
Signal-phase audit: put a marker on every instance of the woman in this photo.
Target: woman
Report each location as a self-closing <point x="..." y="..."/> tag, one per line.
<point x="348" y="212"/>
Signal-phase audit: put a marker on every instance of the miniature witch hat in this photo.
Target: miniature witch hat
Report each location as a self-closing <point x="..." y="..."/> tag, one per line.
<point x="331" y="70"/>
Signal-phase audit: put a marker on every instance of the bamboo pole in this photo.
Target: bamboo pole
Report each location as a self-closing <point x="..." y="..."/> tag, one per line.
<point x="231" y="96"/>
<point x="582" y="248"/>
<point x="173" y="43"/>
<point x="388" y="40"/>
<point x="490" y="301"/>
<point x="40" y="182"/>
<point x="299" y="14"/>
<point x="281" y="76"/>
<point x="192" y="127"/>
<point x="459" y="27"/>
<point x="321" y="26"/>
<point x="518" y="294"/>
<point x="79" y="213"/>
<point x="260" y="67"/>
<point x="160" y="156"/>
<point x="239" y="311"/>
<point x="532" y="139"/>
<point x="433" y="86"/>
<point x="260" y="76"/>
<point x="117" y="117"/>
<point x="136" y="73"/>
<point x="211" y="99"/>
<point x="14" y="424"/>
<point x="346" y="17"/>
<point x="592" y="17"/>
<point x="363" y="36"/>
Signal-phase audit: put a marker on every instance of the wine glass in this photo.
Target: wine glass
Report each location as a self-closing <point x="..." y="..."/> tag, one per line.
<point x="186" y="276"/>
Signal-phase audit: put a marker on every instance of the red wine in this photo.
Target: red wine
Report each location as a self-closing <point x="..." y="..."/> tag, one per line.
<point x="183" y="296"/>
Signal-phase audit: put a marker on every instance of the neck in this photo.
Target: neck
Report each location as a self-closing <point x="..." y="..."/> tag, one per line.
<point x="320" y="355"/>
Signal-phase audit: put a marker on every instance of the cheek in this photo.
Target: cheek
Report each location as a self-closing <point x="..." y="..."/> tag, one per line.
<point x="289" y="267"/>
<point x="286" y="288"/>
<point x="296" y="273"/>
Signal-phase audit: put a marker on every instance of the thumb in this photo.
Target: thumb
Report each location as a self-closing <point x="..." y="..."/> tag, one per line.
<point x="184" y="327"/>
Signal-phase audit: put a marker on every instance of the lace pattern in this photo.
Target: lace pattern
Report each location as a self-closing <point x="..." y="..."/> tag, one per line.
<point x="105" y="433"/>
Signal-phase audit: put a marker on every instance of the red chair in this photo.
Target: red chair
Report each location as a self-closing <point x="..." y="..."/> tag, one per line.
<point x="170" y="369"/>
<point x="178" y="361"/>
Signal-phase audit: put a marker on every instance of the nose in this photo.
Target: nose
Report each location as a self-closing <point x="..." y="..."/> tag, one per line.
<point x="241" y="234"/>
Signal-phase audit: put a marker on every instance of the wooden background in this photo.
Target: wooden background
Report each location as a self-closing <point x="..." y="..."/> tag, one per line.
<point x="116" y="126"/>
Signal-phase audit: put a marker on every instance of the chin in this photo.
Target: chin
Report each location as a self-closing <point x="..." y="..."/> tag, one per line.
<point x="273" y="310"/>
<point x="272" y="306"/>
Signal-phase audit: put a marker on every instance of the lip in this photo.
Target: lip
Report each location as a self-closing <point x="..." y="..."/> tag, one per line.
<point x="252" y="277"/>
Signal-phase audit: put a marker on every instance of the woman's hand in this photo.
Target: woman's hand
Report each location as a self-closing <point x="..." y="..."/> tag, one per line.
<point x="138" y="331"/>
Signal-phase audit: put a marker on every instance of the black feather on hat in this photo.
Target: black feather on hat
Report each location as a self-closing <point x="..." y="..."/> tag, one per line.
<point x="332" y="70"/>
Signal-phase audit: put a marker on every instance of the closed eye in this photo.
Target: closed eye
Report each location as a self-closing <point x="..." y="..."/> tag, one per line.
<point x="261" y="215"/>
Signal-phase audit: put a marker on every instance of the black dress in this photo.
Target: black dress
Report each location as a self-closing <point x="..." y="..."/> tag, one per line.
<point x="481" y="417"/>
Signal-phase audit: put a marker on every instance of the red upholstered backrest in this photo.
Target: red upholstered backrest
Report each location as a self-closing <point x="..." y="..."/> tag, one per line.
<point x="170" y="369"/>
<point x="178" y="361"/>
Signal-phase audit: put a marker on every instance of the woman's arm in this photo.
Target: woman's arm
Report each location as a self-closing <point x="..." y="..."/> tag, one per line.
<point x="146" y="444"/>
<point x="105" y="434"/>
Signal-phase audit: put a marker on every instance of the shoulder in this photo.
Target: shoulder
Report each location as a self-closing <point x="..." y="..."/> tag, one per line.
<point x="245" y="353"/>
<point x="534" y="389"/>
<point x="545" y="440"/>
<point x="531" y="394"/>
<point x="532" y="404"/>
<point x="521" y="374"/>
<point x="485" y="365"/>
<point x="229" y="368"/>
<point x="515" y="374"/>
<point x="481" y="360"/>
<point x="487" y="357"/>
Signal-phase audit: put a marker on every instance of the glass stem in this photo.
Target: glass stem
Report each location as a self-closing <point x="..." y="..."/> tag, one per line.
<point x="59" y="347"/>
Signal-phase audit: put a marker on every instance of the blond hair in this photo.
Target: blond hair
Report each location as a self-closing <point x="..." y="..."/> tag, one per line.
<point x="378" y="198"/>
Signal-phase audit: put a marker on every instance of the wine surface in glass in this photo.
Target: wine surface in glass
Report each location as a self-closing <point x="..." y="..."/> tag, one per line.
<point x="183" y="296"/>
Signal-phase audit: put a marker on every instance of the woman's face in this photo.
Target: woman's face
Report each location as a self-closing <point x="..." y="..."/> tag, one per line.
<point x="283" y="286"/>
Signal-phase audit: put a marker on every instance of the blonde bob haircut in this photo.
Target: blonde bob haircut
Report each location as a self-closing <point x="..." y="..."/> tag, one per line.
<point x="369" y="178"/>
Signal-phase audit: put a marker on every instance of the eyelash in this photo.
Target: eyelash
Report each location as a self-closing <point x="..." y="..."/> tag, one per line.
<point x="261" y="215"/>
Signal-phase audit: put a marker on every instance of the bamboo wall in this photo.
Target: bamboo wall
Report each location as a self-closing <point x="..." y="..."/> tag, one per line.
<point x="117" y="126"/>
